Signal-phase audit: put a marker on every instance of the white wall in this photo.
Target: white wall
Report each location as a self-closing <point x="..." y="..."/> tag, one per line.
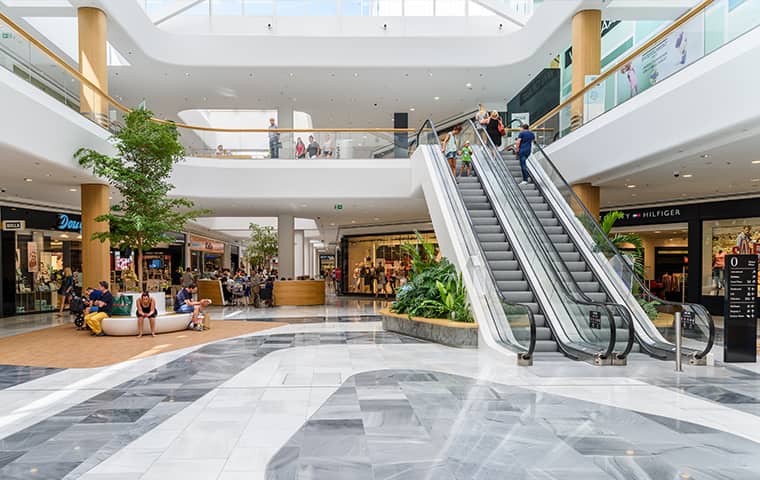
<point x="704" y="104"/>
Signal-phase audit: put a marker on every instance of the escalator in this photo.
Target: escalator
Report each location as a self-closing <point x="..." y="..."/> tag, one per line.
<point x="525" y="271"/>
<point x="602" y="272"/>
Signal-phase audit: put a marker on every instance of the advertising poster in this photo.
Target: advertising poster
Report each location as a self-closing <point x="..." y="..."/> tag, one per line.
<point x="679" y="49"/>
<point x="593" y="100"/>
<point x="523" y="118"/>
<point x="32" y="260"/>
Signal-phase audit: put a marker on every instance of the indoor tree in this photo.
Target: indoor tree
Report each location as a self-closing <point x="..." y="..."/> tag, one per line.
<point x="625" y="241"/>
<point x="146" y="152"/>
<point x="262" y="245"/>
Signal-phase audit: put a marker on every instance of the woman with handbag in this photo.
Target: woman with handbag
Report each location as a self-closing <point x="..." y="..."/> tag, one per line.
<point x="493" y="130"/>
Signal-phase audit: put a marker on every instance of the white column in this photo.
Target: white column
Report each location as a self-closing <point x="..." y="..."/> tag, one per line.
<point x="307" y="264"/>
<point x="298" y="251"/>
<point x="288" y="140"/>
<point x="285" y="247"/>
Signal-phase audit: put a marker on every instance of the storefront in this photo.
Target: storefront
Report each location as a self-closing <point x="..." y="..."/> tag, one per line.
<point x="684" y="246"/>
<point x="161" y="265"/>
<point x="206" y="255"/>
<point x="326" y="262"/>
<point x="36" y="246"/>
<point x="361" y="256"/>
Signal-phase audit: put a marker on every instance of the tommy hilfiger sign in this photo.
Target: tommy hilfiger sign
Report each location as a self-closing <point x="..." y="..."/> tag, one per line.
<point x="678" y="213"/>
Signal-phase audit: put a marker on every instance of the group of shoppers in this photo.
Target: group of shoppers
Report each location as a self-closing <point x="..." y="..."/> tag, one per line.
<point x="312" y="149"/>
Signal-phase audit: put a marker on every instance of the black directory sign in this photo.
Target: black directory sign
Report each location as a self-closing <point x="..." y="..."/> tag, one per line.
<point x="740" y="327"/>
<point x="687" y="321"/>
<point x="595" y="319"/>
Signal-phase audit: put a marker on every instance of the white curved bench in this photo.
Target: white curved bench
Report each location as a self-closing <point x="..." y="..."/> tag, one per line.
<point x="167" y="322"/>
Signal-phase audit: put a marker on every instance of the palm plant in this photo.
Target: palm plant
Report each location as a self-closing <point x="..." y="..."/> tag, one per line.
<point x="624" y="241"/>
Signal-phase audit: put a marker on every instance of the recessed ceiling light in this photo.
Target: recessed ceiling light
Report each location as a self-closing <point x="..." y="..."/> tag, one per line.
<point x="468" y="85"/>
<point x="657" y="231"/>
<point x="48" y="174"/>
<point x="356" y="74"/>
<point x="27" y="179"/>
<point x="411" y="109"/>
<point x="705" y="155"/>
<point x="756" y="179"/>
<point x="688" y="175"/>
<point x="631" y="186"/>
<point x="332" y="224"/>
<point x="377" y="218"/>
<point x="187" y="74"/>
<point x="430" y="74"/>
<point x="436" y="98"/>
<point x="755" y="162"/>
<point x="292" y="74"/>
<point x="72" y="189"/>
<point x="353" y="221"/>
<point x="633" y="194"/>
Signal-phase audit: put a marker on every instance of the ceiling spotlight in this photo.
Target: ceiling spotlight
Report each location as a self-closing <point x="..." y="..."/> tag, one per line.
<point x="411" y="109"/>
<point x="468" y="85"/>
<point x="292" y="74"/>
<point x="27" y="179"/>
<point x="72" y="189"/>
<point x="755" y="162"/>
<point x="436" y="98"/>
<point x="688" y="175"/>
<point x="631" y="186"/>
<point x="430" y="74"/>
<point x="187" y="74"/>
<point x="356" y="74"/>
<point x="705" y="155"/>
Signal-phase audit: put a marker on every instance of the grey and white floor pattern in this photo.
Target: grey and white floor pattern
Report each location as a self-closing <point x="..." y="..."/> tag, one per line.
<point x="333" y="399"/>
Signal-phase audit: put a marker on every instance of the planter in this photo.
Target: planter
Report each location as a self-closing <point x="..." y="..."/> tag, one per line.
<point x="437" y="330"/>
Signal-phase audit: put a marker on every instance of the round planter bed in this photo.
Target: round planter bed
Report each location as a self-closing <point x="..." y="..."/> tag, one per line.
<point x="120" y="326"/>
<point x="438" y="330"/>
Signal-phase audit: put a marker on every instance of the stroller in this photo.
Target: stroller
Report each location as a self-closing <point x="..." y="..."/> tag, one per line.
<point x="77" y="306"/>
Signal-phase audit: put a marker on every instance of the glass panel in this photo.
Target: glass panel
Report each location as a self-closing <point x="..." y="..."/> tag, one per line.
<point x="323" y="8"/>
<point x="258" y="8"/>
<point x="418" y="8"/>
<point x="476" y="10"/>
<point x="449" y="8"/>
<point x="292" y="8"/>
<point x="226" y="8"/>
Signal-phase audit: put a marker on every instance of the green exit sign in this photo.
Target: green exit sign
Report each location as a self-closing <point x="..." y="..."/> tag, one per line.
<point x="338" y="206"/>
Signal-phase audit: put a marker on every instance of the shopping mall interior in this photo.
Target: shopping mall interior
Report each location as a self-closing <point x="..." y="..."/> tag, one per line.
<point x="379" y="239"/>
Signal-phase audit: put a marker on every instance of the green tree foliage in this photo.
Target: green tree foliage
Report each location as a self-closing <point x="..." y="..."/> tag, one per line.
<point x="146" y="152"/>
<point x="262" y="245"/>
<point x="434" y="289"/>
<point x="624" y="240"/>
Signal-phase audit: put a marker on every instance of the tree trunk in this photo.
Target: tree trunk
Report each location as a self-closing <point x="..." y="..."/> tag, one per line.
<point x="140" y="283"/>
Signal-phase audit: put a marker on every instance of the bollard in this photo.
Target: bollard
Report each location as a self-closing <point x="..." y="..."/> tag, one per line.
<point x="678" y="341"/>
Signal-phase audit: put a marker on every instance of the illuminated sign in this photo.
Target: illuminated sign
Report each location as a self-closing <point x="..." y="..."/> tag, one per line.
<point x="66" y="224"/>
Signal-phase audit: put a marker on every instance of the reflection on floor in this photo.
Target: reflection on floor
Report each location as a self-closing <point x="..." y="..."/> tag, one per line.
<point x="418" y="424"/>
<point x="332" y="396"/>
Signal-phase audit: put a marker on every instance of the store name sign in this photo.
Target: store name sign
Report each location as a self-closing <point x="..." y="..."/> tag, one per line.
<point x="9" y="225"/>
<point x="659" y="213"/>
<point x="66" y="224"/>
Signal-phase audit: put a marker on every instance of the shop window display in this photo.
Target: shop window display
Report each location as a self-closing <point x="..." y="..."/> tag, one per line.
<point x="40" y="258"/>
<point x="371" y="255"/>
<point x="721" y="238"/>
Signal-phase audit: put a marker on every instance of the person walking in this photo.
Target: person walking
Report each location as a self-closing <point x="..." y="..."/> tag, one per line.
<point x="524" y="146"/>
<point x="274" y="139"/>
<point x="451" y="148"/>
<point x="66" y="289"/>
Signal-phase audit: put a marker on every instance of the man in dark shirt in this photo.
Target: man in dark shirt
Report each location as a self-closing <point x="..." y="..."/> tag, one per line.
<point x="183" y="303"/>
<point x="524" y="143"/>
<point x="104" y="304"/>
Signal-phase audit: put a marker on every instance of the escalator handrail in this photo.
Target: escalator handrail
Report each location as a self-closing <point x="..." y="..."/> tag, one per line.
<point x="528" y="354"/>
<point x="600" y="233"/>
<point x="576" y="294"/>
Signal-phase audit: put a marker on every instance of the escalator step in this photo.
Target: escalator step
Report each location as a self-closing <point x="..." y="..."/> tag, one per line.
<point x="589" y="287"/>
<point x="539" y="207"/>
<point x="545" y="214"/>
<point x="549" y="222"/>
<point x="488" y="229"/>
<point x="508" y="275"/>
<point x="484" y="221"/>
<point x="495" y="246"/>
<point x="492" y="237"/>
<point x="464" y="180"/>
<point x="576" y="266"/>
<point x="481" y="213"/>
<point x="545" y="346"/>
<point x="597" y="296"/>
<point x="554" y="230"/>
<point x="582" y="276"/>
<point x="503" y="255"/>
<point x="540" y="321"/>
<point x="565" y="247"/>
<point x="478" y="206"/>
<point x="504" y="265"/>
<point x="476" y="198"/>
<point x="513" y="285"/>
<point x="522" y="297"/>
<point x="558" y="238"/>
<point x="570" y="256"/>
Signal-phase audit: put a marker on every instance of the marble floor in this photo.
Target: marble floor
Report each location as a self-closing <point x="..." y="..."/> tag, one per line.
<point x="332" y="396"/>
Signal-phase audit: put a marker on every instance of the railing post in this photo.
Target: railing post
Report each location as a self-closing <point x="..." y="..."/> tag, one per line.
<point x="678" y="341"/>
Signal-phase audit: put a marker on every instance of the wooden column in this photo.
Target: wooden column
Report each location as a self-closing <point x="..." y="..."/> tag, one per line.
<point x="96" y="261"/>
<point x="587" y="55"/>
<point x="589" y="195"/>
<point x="93" y="62"/>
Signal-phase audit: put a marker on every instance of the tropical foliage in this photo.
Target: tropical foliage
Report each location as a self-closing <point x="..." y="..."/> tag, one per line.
<point x="624" y="241"/>
<point x="434" y="289"/>
<point x="146" y="152"/>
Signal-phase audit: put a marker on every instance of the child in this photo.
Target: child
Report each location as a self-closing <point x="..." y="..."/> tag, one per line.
<point x="466" y="159"/>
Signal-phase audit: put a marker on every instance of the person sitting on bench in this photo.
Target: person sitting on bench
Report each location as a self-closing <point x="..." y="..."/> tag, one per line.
<point x="104" y="304"/>
<point x="183" y="303"/>
<point x="146" y="308"/>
